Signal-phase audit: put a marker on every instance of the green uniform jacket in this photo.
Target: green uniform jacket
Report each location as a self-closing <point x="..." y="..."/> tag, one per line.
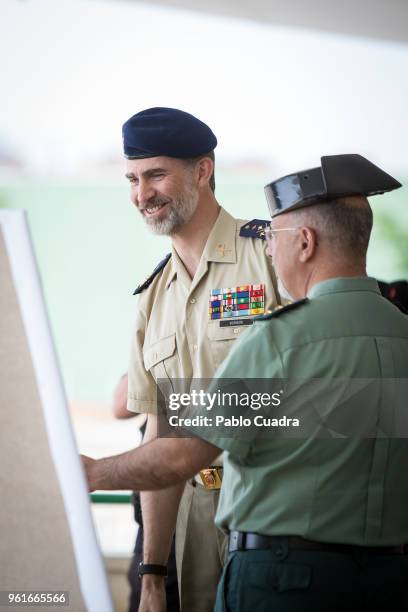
<point x="350" y="490"/>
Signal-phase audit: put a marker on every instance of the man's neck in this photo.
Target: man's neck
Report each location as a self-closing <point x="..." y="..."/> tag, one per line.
<point x="190" y="240"/>
<point x="318" y="275"/>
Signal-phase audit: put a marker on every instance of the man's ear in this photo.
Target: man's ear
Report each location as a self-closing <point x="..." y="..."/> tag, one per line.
<point x="308" y="243"/>
<point x="205" y="167"/>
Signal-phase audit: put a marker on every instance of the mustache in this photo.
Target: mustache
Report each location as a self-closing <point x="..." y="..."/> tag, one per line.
<point x="155" y="202"/>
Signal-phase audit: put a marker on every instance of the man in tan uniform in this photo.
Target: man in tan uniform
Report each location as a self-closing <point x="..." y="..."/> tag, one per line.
<point x="190" y="312"/>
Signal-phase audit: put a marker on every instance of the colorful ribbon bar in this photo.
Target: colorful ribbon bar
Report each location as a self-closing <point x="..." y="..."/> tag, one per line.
<point x="242" y="300"/>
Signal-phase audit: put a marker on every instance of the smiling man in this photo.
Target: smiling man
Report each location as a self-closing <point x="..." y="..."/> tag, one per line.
<point x="163" y="192"/>
<point x="190" y="312"/>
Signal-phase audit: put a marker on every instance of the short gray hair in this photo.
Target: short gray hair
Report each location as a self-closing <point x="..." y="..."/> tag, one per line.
<point x="345" y="223"/>
<point x="193" y="160"/>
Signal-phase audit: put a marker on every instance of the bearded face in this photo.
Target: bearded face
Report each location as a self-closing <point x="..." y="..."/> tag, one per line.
<point x="164" y="191"/>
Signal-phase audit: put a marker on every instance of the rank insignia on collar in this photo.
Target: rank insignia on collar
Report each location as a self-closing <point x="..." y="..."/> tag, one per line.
<point x="254" y="229"/>
<point x="151" y="278"/>
<point x="222" y="250"/>
<point x="239" y="301"/>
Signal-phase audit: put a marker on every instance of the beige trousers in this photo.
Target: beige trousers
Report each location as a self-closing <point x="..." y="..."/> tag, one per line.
<point x="200" y="549"/>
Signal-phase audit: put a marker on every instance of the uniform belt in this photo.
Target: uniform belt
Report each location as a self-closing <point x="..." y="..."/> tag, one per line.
<point x="210" y="478"/>
<point x="239" y="540"/>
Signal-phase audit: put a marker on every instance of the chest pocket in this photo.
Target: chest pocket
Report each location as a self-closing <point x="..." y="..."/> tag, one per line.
<point x="161" y="358"/>
<point x="222" y="340"/>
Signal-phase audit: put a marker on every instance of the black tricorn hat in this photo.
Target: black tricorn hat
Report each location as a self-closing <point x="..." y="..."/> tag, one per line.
<point x="338" y="176"/>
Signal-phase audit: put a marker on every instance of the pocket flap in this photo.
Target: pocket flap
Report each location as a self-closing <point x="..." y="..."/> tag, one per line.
<point x="160" y="350"/>
<point x="215" y="332"/>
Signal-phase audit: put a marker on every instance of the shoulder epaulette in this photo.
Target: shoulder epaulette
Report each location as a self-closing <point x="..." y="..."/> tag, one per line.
<point x="150" y="279"/>
<point x="254" y="229"/>
<point x="279" y="310"/>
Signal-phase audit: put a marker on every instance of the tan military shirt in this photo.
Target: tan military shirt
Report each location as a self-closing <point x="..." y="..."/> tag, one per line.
<point x="174" y="336"/>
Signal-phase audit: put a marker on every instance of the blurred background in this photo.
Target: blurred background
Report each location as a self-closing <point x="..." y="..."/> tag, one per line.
<point x="280" y="83"/>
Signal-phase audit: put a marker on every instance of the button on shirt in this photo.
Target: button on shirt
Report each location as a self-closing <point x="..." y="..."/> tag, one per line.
<point x="174" y="337"/>
<point x="352" y="491"/>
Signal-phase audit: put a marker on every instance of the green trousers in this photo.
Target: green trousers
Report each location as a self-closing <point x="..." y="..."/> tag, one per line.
<point x="312" y="581"/>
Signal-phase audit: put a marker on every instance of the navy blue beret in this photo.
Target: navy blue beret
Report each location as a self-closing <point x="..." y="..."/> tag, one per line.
<point x="166" y="131"/>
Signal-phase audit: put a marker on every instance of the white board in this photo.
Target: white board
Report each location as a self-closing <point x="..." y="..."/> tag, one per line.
<point x="48" y="536"/>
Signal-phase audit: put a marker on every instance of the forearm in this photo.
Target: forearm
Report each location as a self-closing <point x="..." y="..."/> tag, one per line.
<point x="159" y="464"/>
<point x="159" y="510"/>
<point x="140" y="469"/>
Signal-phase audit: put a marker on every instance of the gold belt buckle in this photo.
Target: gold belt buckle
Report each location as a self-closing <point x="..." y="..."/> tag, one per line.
<point x="211" y="478"/>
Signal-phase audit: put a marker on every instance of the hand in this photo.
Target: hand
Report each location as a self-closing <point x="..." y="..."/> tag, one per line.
<point x="89" y="464"/>
<point x="153" y="597"/>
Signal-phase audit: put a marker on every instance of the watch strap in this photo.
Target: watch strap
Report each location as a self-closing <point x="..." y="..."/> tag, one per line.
<point x="151" y="568"/>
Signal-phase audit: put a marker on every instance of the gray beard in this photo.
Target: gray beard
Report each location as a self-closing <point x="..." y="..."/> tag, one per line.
<point x="179" y="213"/>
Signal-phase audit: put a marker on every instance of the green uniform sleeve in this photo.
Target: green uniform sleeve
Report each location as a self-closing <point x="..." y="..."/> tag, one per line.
<point x="239" y="376"/>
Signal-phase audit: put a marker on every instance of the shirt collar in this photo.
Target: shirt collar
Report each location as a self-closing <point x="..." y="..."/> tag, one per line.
<point x="340" y="285"/>
<point x="220" y="244"/>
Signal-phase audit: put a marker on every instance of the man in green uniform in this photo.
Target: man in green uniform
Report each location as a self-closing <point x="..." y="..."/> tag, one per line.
<point x="314" y="523"/>
<point x="331" y="513"/>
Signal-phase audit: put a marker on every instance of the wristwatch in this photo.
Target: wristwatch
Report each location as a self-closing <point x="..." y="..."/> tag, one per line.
<point x="150" y="568"/>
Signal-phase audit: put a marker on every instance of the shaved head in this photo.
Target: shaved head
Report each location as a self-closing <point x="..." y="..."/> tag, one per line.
<point x="344" y="224"/>
<point x="320" y="241"/>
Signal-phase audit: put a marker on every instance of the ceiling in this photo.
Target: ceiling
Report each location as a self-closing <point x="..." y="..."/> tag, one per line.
<point x="385" y="19"/>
